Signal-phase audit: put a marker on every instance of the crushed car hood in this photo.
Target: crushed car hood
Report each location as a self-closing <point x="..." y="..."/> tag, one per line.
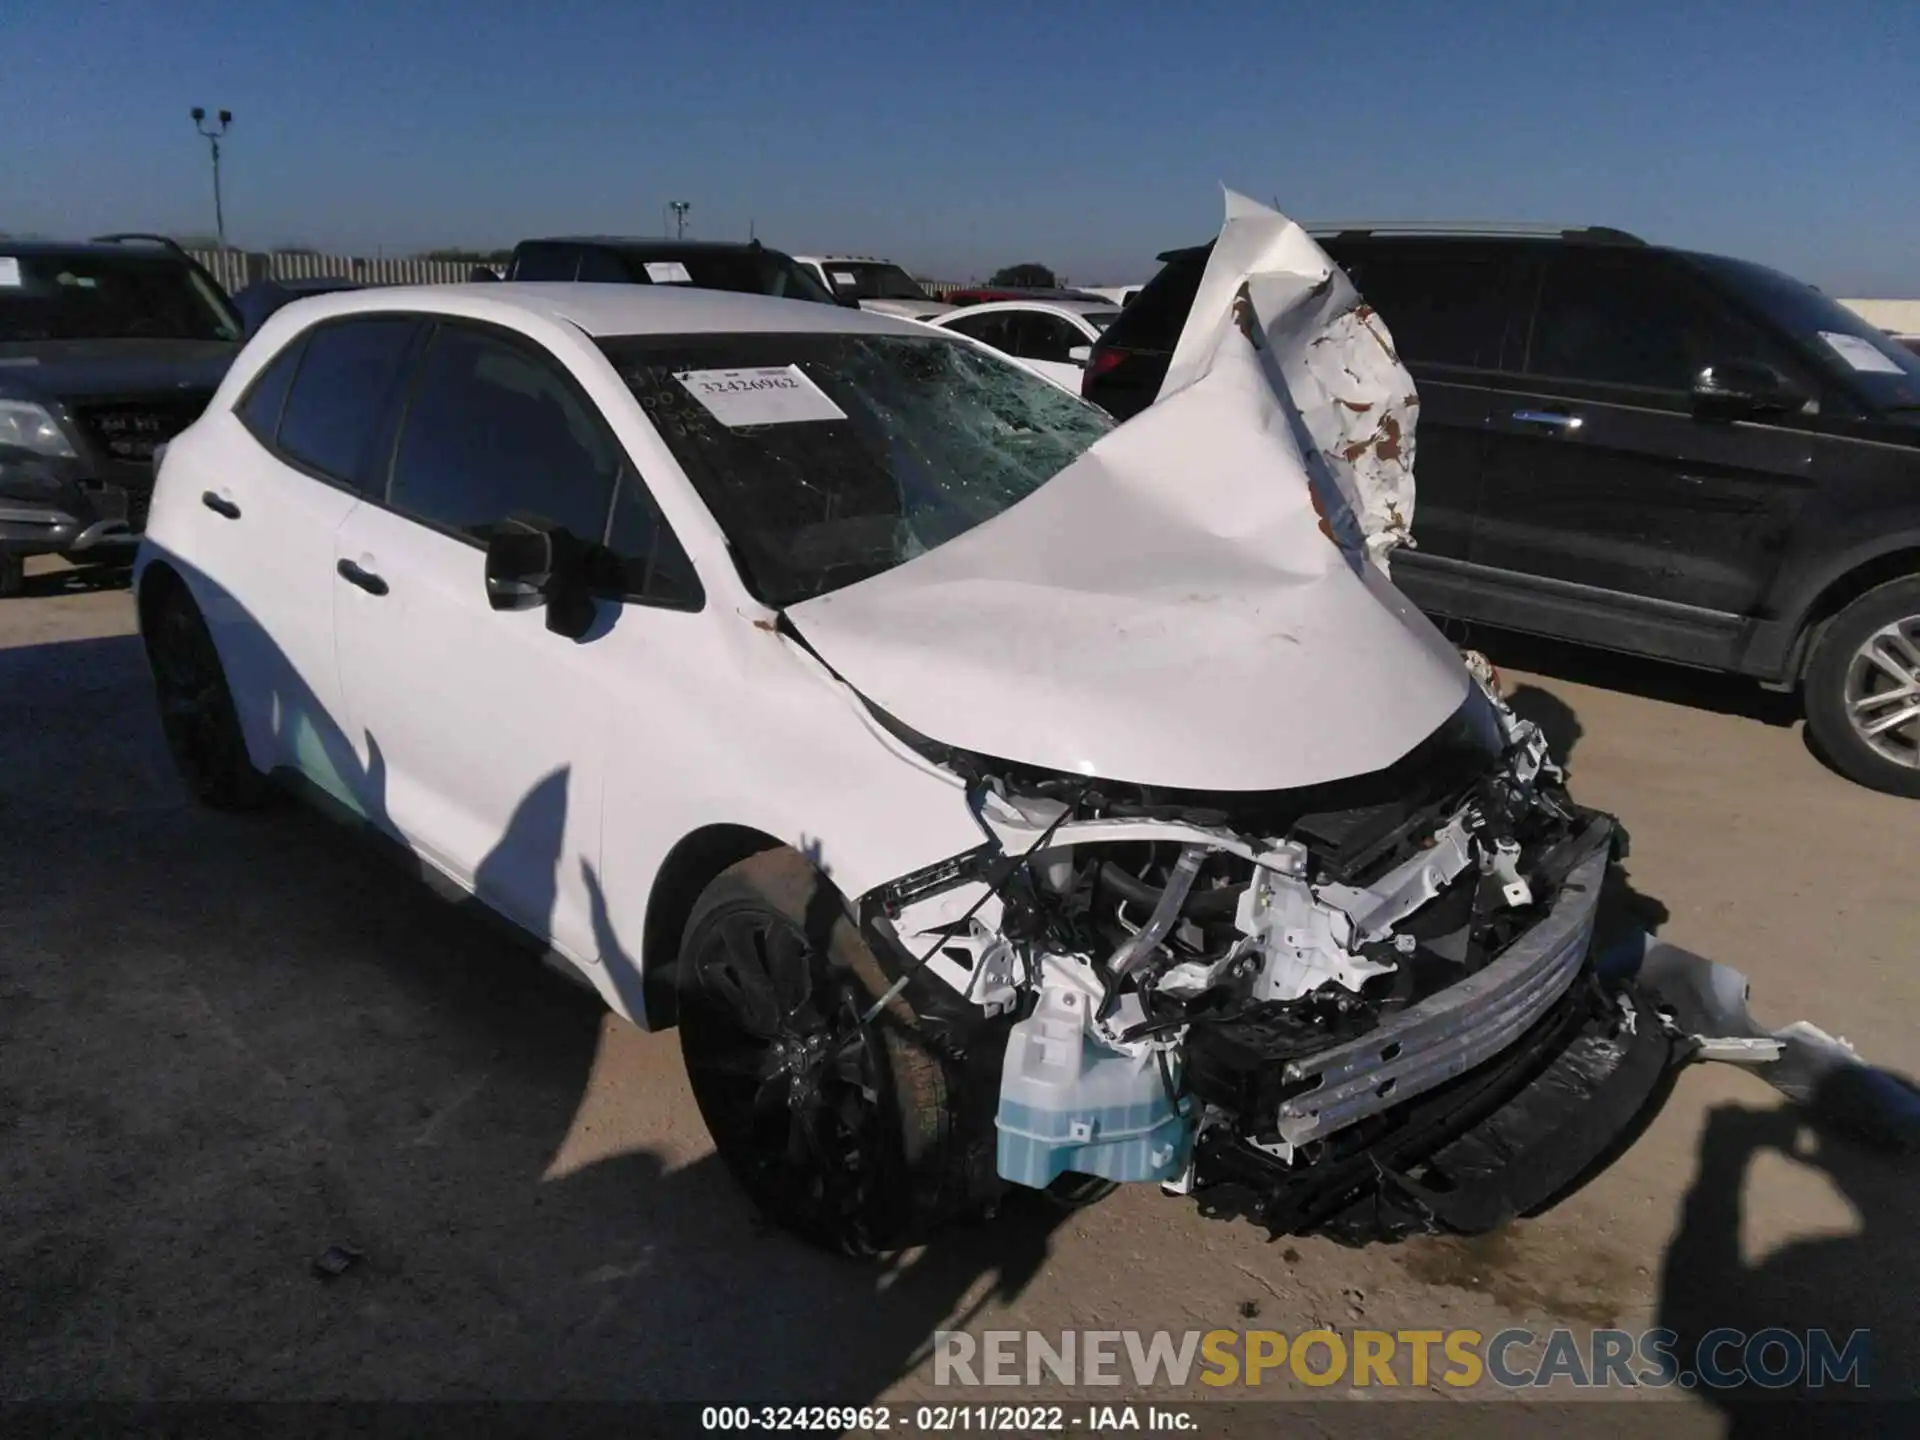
<point x="1177" y="607"/>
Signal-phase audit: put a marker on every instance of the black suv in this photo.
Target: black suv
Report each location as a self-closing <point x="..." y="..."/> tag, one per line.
<point x="749" y="268"/>
<point x="1666" y="453"/>
<point x="107" y="350"/>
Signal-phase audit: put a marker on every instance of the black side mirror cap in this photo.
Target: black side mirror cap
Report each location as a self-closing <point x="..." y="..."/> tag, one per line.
<point x="532" y="562"/>
<point x="1746" y="387"/>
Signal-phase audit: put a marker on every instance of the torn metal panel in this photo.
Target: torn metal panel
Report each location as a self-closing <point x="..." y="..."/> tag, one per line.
<point x="1168" y="609"/>
<point x="1270" y="295"/>
<point x="1706" y="1002"/>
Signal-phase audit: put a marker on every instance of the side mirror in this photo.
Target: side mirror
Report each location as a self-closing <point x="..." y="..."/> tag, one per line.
<point x="1080" y="355"/>
<point x="533" y="562"/>
<point x="1745" y="387"/>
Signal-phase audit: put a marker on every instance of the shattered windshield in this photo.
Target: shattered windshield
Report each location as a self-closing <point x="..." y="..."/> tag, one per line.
<point x="827" y="458"/>
<point x="867" y="281"/>
<point x="82" y="296"/>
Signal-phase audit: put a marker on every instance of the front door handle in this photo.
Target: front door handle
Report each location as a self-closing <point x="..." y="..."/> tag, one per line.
<point x="1552" y="418"/>
<point x="219" y="504"/>
<point x="365" y="579"/>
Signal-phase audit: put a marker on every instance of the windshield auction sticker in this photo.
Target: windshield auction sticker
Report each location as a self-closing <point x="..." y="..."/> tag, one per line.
<point x="768" y="395"/>
<point x="1860" y="354"/>
<point x="9" y="271"/>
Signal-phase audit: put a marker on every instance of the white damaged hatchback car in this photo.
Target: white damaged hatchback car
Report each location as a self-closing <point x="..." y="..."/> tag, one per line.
<point x="992" y="796"/>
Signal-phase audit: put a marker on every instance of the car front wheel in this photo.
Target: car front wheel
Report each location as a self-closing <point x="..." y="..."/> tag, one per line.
<point x="840" y="1127"/>
<point x="1863" y="689"/>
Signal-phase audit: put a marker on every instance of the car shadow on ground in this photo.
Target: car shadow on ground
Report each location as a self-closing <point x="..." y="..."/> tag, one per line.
<point x="1632" y="674"/>
<point x="277" y="1122"/>
<point x="45" y="578"/>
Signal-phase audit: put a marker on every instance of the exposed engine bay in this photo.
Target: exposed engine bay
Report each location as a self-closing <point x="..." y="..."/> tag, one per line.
<point x="1233" y="989"/>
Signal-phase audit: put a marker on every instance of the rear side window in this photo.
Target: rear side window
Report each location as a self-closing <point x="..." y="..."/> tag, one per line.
<point x="1443" y="306"/>
<point x="341" y="394"/>
<point x="1157" y="315"/>
<point x="494" y="430"/>
<point x="545" y="262"/>
<point x="259" y="409"/>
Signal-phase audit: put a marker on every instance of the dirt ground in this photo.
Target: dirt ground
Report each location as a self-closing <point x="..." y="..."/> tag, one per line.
<point x="229" y="1044"/>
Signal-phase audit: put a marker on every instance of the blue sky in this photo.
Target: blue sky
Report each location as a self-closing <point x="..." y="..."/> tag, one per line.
<point x="1086" y="136"/>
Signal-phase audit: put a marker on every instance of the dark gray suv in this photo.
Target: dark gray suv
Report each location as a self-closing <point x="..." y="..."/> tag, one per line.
<point x="108" y="349"/>
<point x="1672" y="454"/>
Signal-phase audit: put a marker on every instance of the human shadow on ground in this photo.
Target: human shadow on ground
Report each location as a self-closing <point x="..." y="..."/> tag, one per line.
<point x="1851" y="1295"/>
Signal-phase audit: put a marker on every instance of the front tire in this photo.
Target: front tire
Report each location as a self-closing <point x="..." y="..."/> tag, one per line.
<point x="196" y="708"/>
<point x="841" y="1130"/>
<point x="13" y="574"/>
<point x="1863" y="689"/>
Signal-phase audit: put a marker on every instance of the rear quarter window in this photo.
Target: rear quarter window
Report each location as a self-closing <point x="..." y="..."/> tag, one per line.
<point x="259" y="409"/>
<point x="1157" y="315"/>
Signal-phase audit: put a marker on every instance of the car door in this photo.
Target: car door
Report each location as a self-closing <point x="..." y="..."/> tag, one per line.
<point x="1607" y="497"/>
<point x="316" y="414"/>
<point x="1448" y="305"/>
<point x="486" y="729"/>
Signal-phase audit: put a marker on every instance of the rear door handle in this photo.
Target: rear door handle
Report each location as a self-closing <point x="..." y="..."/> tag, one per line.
<point x="1553" y="418"/>
<point x="219" y="504"/>
<point x="365" y="579"/>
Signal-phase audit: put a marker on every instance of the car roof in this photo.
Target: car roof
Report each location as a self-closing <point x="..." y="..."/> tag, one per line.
<point x="607" y="310"/>
<point x="655" y="245"/>
<point x="26" y="248"/>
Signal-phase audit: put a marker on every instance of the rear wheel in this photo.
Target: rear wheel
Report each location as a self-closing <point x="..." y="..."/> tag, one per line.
<point x="196" y="708"/>
<point x="841" y="1129"/>
<point x="1863" y="689"/>
<point x="13" y="574"/>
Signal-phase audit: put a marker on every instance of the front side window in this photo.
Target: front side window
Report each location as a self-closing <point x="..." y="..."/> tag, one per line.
<point x="342" y="392"/>
<point x="827" y="458"/>
<point x="1863" y="357"/>
<point x="1619" y="319"/>
<point x="1038" y="335"/>
<point x="494" y="430"/>
<point x="86" y="296"/>
<point x="988" y="329"/>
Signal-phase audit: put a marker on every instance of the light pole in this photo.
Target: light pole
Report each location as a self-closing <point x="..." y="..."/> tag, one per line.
<point x="213" y="133"/>
<point x="679" y="208"/>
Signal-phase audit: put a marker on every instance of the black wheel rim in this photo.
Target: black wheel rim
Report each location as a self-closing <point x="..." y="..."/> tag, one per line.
<point x="195" y="713"/>
<point x="788" y="1078"/>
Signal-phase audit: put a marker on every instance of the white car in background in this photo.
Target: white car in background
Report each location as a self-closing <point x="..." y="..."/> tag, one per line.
<point x="1053" y="337"/>
<point x="878" y="285"/>
<point x="1120" y="295"/>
